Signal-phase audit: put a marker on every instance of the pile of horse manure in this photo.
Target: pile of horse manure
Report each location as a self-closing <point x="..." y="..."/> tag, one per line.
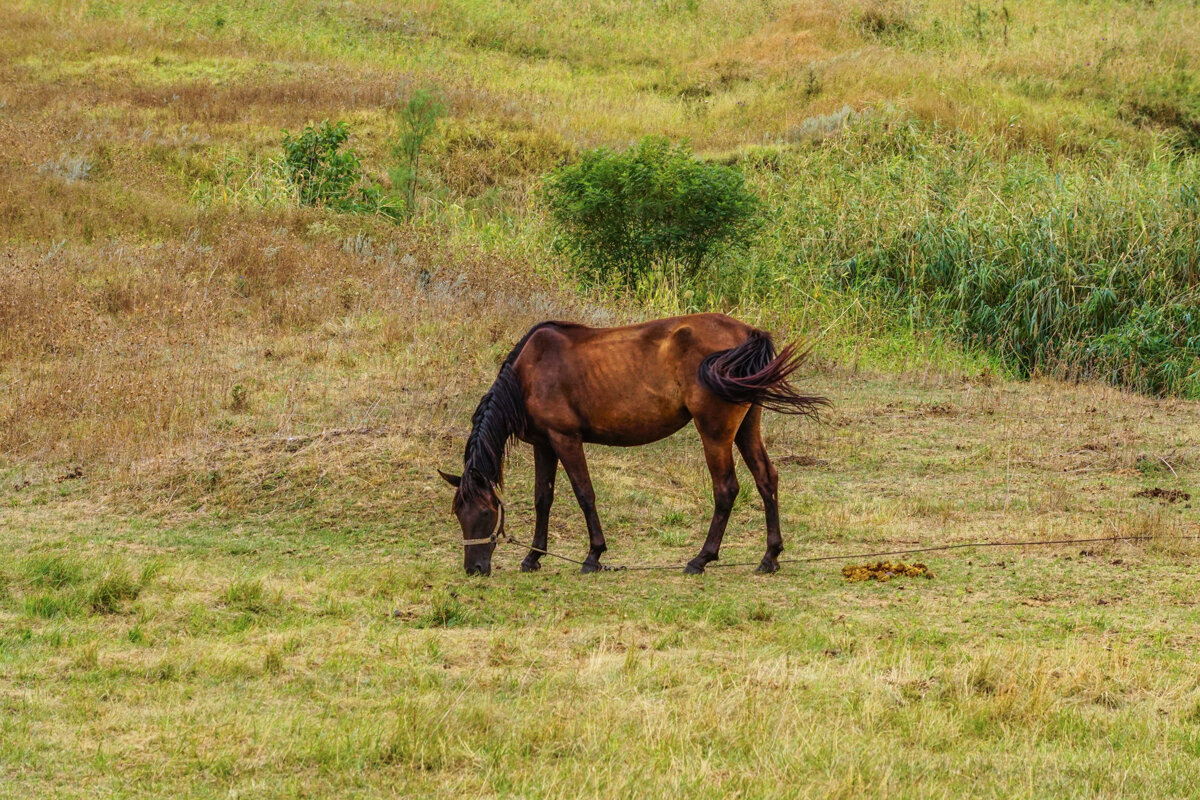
<point x="884" y="571"/>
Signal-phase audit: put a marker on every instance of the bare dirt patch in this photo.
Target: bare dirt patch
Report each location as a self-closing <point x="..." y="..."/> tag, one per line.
<point x="802" y="461"/>
<point x="1166" y="495"/>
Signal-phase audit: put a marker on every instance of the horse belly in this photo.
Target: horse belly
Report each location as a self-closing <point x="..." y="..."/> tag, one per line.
<point x="632" y="413"/>
<point x="634" y="432"/>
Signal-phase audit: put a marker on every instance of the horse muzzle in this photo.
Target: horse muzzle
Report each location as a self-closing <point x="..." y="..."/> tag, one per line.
<point x="483" y="568"/>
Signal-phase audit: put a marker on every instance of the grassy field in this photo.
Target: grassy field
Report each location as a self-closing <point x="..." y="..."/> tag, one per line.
<point x="318" y="639"/>
<point x="231" y="570"/>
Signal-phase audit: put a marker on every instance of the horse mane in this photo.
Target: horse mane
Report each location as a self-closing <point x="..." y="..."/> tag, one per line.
<point x="499" y="417"/>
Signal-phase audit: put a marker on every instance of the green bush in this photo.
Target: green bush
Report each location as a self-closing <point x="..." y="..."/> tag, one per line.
<point x="325" y="174"/>
<point x="652" y="208"/>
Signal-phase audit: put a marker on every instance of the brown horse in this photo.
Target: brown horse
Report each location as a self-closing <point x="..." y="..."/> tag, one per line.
<point x="565" y="384"/>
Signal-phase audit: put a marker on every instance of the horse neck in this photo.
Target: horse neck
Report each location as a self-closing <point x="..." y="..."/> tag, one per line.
<point x="499" y="417"/>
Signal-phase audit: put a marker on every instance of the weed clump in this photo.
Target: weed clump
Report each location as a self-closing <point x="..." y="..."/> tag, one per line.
<point x="445" y="611"/>
<point x="883" y="571"/>
<point x="71" y="169"/>
<point x="244" y="182"/>
<point x="53" y="572"/>
<point x="57" y="586"/>
<point x="272" y="662"/>
<point x="882" y="22"/>
<point x="418" y="121"/>
<point x="247" y="595"/>
<point x="822" y="126"/>
<point x="112" y="592"/>
<point x="53" y="604"/>
<point x="1168" y="102"/>
<point x="239" y="398"/>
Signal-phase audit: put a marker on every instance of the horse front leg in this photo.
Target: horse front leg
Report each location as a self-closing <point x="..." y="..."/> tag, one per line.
<point x="545" y="465"/>
<point x="570" y="452"/>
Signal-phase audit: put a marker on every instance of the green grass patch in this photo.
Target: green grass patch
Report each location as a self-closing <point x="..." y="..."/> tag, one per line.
<point x="247" y="595"/>
<point x="1082" y="270"/>
<point x="53" y="572"/>
<point x="52" y="605"/>
<point x="113" y="591"/>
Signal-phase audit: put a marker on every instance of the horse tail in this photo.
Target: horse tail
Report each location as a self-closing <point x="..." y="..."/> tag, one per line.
<point x="754" y="374"/>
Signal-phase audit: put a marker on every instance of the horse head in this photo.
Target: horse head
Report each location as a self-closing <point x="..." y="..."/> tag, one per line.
<point x="480" y="512"/>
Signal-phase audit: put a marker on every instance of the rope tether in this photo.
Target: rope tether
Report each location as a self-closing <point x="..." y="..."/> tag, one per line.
<point x="844" y="557"/>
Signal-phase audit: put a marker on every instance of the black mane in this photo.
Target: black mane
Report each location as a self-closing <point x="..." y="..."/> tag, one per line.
<point x="499" y="417"/>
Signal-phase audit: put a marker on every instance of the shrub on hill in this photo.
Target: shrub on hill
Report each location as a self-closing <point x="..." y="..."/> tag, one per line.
<point x="652" y="208"/>
<point x="325" y="174"/>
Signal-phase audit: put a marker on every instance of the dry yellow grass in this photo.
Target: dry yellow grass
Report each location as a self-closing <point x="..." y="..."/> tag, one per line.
<point x="104" y="337"/>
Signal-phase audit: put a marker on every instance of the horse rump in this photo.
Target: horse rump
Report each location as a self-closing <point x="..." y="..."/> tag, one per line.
<point x="754" y="374"/>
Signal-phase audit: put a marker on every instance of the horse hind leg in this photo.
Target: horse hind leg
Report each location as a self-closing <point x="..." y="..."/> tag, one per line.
<point x="716" y="433"/>
<point x="766" y="478"/>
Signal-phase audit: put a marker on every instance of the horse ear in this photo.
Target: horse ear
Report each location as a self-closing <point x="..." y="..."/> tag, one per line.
<point x="453" y="480"/>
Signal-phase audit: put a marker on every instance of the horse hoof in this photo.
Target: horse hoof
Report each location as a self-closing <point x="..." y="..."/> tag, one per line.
<point x="588" y="569"/>
<point x="767" y="567"/>
<point x="530" y="566"/>
<point x="693" y="569"/>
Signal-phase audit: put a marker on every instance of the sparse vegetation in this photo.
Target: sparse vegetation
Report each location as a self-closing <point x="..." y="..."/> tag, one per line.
<point x="417" y="119"/>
